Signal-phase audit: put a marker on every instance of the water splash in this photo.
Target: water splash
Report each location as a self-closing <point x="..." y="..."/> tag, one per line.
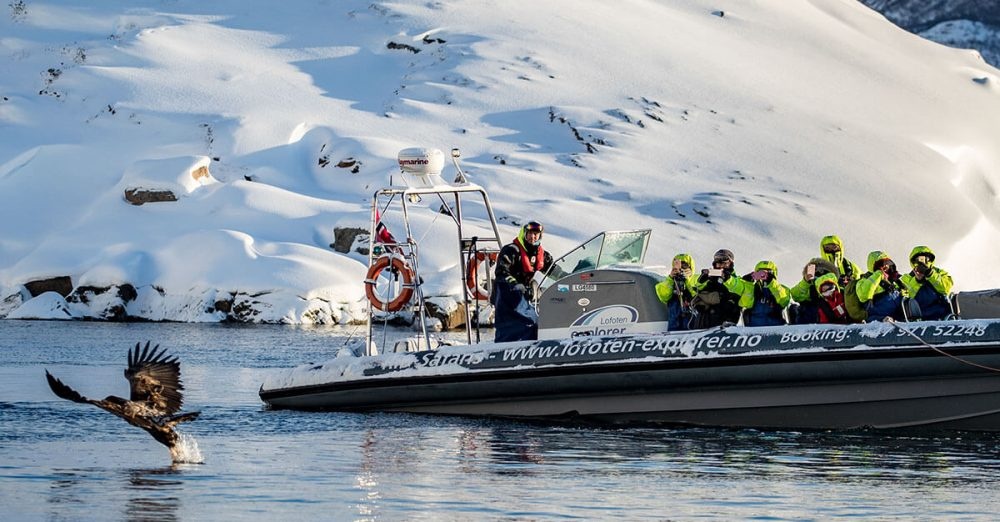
<point x="186" y="451"/>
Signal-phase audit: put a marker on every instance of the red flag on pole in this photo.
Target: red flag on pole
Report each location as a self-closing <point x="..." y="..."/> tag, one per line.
<point x="382" y="234"/>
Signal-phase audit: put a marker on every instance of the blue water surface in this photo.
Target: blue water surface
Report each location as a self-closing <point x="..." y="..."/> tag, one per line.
<point x="65" y="461"/>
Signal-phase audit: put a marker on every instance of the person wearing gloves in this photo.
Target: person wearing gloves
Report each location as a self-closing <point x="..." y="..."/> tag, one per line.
<point x="831" y="306"/>
<point x="677" y="290"/>
<point x="516" y="318"/>
<point x="928" y="285"/>
<point x="832" y="249"/>
<point x="769" y="296"/>
<point x="721" y="294"/>
<point x="879" y="290"/>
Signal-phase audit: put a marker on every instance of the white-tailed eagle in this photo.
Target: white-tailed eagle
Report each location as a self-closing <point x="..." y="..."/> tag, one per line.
<point x="155" y="395"/>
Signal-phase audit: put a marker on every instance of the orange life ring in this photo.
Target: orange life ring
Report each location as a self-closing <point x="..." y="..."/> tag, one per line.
<point x="471" y="270"/>
<point x="397" y="265"/>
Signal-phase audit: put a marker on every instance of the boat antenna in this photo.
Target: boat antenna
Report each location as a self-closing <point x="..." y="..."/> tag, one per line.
<point x="938" y="350"/>
<point x="460" y="177"/>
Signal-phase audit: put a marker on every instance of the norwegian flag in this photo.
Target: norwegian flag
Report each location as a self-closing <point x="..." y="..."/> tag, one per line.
<point x="382" y="234"/>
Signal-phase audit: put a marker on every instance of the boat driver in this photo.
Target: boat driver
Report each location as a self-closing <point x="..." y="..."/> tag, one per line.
<point x="516" y="318"/>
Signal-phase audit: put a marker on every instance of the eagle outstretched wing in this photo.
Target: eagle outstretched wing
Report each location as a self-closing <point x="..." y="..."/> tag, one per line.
<point x="65" y="392"/>
<point x="155" y="379"/>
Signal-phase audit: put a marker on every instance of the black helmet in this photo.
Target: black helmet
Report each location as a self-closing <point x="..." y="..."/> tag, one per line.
<point x="724" y="255"/>
<point x="531" y="226"/>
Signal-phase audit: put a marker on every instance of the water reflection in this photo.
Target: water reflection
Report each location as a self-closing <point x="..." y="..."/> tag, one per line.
<point x="149" y="494"/>
<point x="513" y="447"/>
<point x="836" y="457"/>
<point x="367" y="478"/>
<point x="484" y="447"/>
<point x="64" y="491"/>
<point x="153" y="494"/>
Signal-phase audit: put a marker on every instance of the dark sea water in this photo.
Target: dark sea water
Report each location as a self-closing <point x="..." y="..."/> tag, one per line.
<point x="65" y="461"/>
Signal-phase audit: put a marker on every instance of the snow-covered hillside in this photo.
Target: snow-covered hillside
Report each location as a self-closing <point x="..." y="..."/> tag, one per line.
<point x="755" y="126"/>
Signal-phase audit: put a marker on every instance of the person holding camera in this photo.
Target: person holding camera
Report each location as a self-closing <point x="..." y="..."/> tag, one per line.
<point x="928" y="285"/>
<point x="769" y="296"/>
<point x="722" y="295"/>
<point x="806" y="308"/>
<point x="832" y="249"/>
<point x="832" y="308"/>
<point x="677" y="290"/>
<point x="880" y="290"/>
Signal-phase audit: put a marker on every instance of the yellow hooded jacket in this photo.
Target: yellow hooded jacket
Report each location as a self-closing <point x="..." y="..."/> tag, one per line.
<point x="937" y="277"/>
<point x="844" y="266"/>
<point x="665" y="288"/>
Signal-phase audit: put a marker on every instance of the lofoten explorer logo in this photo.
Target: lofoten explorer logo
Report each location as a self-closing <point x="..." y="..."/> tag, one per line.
<point x="606" y="320"/>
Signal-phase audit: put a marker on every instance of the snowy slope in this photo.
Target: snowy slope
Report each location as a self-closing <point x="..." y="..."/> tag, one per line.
<point x="757" y="126"/>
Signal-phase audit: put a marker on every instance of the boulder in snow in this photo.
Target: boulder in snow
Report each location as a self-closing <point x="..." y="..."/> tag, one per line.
<point x="150" y="181"/>
<point x="61" y="285"/>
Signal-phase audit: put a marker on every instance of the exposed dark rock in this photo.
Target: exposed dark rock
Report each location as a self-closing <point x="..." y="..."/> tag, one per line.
<point x="127" y="292"/>
<point x="116" y="308"/>
<point x="407" y="47"/>
<point x="84" y="294"/>
<point x="345" y="237"/>
<point x="138" y="196"/>
<point x="350" y="163"/>
<point x="62" y="285"/>
<point x="244" y="309"/>
<point x="224" y="305"/>
<point x="449" y="320"/>
<point x="239" y="307"/>
<point x="11" y="303"/>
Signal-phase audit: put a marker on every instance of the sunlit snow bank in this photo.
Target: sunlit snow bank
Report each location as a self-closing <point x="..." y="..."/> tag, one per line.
<point x="759" y="127"/>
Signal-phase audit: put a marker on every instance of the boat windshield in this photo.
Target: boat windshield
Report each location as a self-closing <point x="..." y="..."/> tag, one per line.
<point x="604" y="249"/>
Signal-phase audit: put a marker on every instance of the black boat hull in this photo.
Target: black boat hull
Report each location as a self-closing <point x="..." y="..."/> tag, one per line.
<point x="949" y="386"/>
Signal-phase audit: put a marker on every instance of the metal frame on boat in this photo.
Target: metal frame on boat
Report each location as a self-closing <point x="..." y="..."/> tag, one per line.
<point x="421" y="169"/>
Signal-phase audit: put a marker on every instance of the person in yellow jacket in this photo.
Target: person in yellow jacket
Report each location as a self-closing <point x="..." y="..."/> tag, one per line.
<point x="928" y="285"/>
<point x="677" y="290"/>
<point x="769" y="296"/>
<point x="832" y="249"/>
<point x="880" y="290"/>
<point x="721" y="294"/>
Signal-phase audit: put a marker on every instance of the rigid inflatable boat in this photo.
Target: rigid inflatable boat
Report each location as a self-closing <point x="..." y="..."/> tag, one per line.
<point x="880" y="375"/>
<point x="603" y="353"/>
